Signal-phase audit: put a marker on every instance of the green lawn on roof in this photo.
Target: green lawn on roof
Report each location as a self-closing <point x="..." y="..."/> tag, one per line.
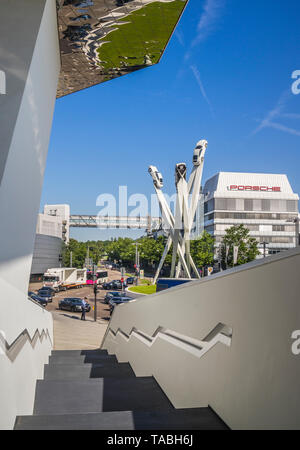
<point x="143" y="289"/>
<point x="147" y="33"/>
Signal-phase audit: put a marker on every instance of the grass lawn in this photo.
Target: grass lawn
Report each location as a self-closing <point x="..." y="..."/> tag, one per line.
<point x="143" y="289"/>
<point x="147" y="33"/>
<point x="144" y="281"/>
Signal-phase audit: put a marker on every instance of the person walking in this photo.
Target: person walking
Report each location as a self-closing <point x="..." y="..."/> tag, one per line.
<point x="83" y="309"/>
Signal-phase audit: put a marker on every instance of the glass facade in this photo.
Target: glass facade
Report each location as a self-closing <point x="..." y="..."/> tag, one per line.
<point x="240" y="204"/>
<point x="249" y="216"/>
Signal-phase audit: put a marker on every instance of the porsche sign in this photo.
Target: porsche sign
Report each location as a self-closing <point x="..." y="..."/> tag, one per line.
<point x="235" y="187"/>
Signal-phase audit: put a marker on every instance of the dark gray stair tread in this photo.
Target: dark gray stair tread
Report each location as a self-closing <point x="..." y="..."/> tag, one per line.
<point x="82" y="359"/>
<point x="86" y="371"/>
<point x="98" y="395"/>
<point x="78" y="352"/>
<point x="180" y="419"/>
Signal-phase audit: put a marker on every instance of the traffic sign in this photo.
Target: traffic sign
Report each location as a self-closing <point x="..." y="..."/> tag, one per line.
<point x="210" y="271"/>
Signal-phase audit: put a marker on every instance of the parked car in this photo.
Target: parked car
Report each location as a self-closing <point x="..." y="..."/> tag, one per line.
<point x="117" y="284"/>
<point x="117" y="301"/>
<point x="110" y="295"/>
<point x="107" y="285"/>
<point x="36" y="298"/>
<point x="49" y="289"/>
<point x="130" y="280"/>
<point x="73" y="304"/>
<point x="46" y="295"/>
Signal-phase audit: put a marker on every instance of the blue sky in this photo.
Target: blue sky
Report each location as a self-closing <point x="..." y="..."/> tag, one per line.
<point x="225" y="77"/>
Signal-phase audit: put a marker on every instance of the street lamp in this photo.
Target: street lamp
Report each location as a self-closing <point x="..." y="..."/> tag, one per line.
<point x="137" y="260"/>
<point x="265" y="247"/>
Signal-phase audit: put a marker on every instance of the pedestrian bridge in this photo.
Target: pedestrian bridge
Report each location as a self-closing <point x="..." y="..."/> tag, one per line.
<point x="134" y="222"/>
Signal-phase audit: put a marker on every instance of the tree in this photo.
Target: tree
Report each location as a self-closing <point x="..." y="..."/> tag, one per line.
<point x="78" y="250"/>
<point x="239" y="236"/>
<point x="150" y="251"/>
<point x="121" y="249"/>
<point x="202" y="250"/>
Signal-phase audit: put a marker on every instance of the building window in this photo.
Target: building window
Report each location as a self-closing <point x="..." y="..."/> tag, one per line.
<point x="266" y="205"/>
<point x="249" y="216"/>
<point x="248" y="205"/>
<point x="291" y="206"/>
<point x="209" y="206"/>
<point x="276" y="239"/>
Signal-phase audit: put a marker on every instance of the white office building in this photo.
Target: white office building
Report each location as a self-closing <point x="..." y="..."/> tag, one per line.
<point x="264" y="203"/>
<point x="51" y="231"/>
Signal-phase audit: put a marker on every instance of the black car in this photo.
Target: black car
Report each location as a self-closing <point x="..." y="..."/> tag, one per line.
<point x="37" y="299"/>
<point x="73" y="304"/>
<point x="117" y="284"/>
<point x="130" y="280"/>
<point x="107" y="285"/>
<point x="46" y="295"/>
<point x="117" y="301"/>
<point x="110" y="295"/>
<point x="48" y="289"/>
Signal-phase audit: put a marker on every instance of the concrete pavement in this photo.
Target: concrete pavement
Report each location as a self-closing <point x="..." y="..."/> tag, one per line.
<point x="71" y="333"/>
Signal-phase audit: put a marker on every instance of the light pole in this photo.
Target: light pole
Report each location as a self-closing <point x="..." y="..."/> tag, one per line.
<point x="137" y="260"/>
<point x="265" y="248"/>
<point x="95" y="292"/>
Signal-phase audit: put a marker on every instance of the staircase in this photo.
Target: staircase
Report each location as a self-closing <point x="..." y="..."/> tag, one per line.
<point x="90" y="390"/>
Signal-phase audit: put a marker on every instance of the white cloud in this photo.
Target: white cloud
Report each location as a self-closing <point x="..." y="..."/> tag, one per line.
<point x="207" y="24"/>
<point x="280" y="127"/>
<point x="277" y="113"/>
<point x="180" y="37"/>
<point x="196" y="74"/>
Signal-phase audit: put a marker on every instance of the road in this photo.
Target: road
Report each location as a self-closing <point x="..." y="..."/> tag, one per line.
<point x="86" y="291"/>
<point x="70" y="333"/>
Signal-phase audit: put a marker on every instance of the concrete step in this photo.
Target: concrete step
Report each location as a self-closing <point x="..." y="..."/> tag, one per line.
<point x="82" y="359"/>
<point x="78" y="352"/>
<point x="176" y="419"/>
<point x="86" y="371"/>
<point x="99" y="395"/>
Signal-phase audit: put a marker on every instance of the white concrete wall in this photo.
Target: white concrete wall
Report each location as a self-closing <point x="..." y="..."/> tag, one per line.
<point x="24" y="169"/>
<point x="20" y="367"/>
<point x="30" y="58"/>
<point x="251" y="383"/>
<point x="49" y="225"/>
<point x="62" y="212"/>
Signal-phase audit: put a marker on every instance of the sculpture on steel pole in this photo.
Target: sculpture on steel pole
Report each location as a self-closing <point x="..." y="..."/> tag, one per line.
<point x="179" y="227"/>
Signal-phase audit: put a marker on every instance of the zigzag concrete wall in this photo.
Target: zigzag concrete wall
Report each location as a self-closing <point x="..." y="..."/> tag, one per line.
<point x="253" y="381"/>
